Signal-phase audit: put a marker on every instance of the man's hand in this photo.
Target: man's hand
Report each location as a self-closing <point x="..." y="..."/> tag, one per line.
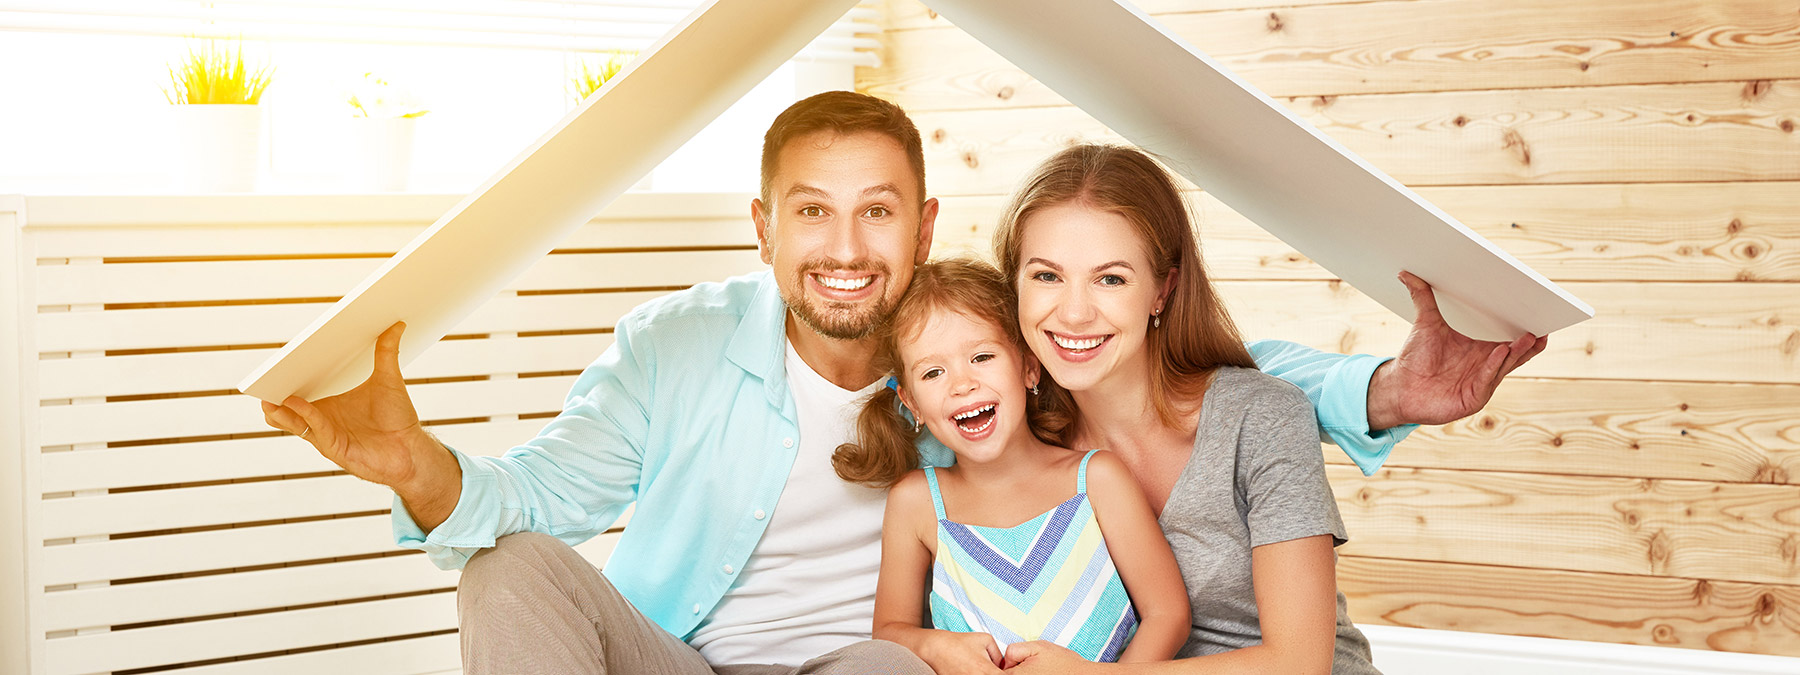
<point x="1441" y="375"/>
<point x="1043" y="658"/>
<point x="950" y="653"/>
<point x="373" y="432"/>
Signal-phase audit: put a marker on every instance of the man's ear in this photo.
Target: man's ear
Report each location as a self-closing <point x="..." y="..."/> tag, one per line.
<point x="927" y="224"/>
<point x="764" y="247"/>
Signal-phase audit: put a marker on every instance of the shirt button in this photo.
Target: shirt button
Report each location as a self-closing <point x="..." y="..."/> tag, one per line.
<point x="696" y="608"/>
<point x="728" y="569"/>
<point x="787" y="442"/>
<point x="760" y="515"/>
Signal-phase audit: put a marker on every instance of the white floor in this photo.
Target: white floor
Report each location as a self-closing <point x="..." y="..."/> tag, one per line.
<point x="1414" y="651"/>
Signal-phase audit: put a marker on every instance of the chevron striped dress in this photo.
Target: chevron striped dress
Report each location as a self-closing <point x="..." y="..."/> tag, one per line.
<point x="1049" y="578"/>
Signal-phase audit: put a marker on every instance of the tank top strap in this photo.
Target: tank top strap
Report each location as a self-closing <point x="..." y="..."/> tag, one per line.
<point x="937" y="498"/>
<point x="1080" y="475"/>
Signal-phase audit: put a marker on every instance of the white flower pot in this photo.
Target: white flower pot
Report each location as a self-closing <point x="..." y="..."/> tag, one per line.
<point x="380" y="154"/>
<point x="217" y="147"/>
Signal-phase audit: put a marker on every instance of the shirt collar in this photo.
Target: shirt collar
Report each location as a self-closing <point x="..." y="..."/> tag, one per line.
<point x="760" y="342"/>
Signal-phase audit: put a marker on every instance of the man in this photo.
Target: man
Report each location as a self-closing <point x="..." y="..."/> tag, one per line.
<point x="716" y="412"/>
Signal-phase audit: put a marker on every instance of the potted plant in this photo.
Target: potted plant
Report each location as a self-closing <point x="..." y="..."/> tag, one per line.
<point x="382" y="135"/>
<point x="218" y="119"/>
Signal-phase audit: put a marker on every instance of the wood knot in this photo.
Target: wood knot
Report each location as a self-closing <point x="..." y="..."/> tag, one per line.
<point x="1584" y="66"/>
<point x="1005" y="93"/>
<point x="1790" y="546"/>
<point x="1702" y="591"/>
<point x="1588" y="348"/>
<point x="1684" y="250"/>
<point x="1774" y="473"/>
<point x="1745" y="275"/>
<point x="1787" y="126"/>
<point x="1556" y="441"/>
<point x="1659" y="551"/>
<point x="1515" y="226"/>
<point x="1274" y="22"/>
<point x="1636" y="446"/>
<point x="1365" y="496"/>
<point x="1755" y="89"/>
<point x="931" y="14"/>
<point x="1488" y="423"/>
<point x="1683" y="407"/>
<point x="970" y="160"/>
<point x="1734" y="227"/>
<point x="1323" y="102"/>
<point x="939" y="136"/>
<point x="1664" y="634"/>
<point x="1691" y="117"/>
<point x="1514" y="143"/>
<point x="1460" y="121"/>
<point x="1751" y="251"/>
<point x="1765" y="606"/>
<point x="1791" y="345"/>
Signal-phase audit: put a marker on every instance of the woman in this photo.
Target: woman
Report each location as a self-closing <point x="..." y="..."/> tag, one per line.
<point x="1115" y="304"/>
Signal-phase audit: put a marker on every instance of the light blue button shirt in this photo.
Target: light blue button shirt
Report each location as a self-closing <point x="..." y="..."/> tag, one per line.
<point x="688" y="415"/>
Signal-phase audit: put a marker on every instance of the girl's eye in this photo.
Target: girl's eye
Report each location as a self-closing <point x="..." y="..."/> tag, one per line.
<point x="1112" y="280"/>
<point x="878" y="212"/>
<point x="812" y="211"/>
<point x="1046" y="277"/>
<point x="931" y="373"/>
<point x="982" y="358"/>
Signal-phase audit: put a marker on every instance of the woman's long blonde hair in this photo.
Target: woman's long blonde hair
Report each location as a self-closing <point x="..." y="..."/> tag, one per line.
<point x="885" y="448"/>
<point x="1197" y="334"/>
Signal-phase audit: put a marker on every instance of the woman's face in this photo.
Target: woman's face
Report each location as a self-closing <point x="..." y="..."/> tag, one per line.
<point x="1086" y="294"/>
<point x="967" y="382"/>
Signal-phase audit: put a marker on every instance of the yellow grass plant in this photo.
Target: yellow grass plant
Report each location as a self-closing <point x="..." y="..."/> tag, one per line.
<point x="212" y="74"/>
<point x="595" y="74"/>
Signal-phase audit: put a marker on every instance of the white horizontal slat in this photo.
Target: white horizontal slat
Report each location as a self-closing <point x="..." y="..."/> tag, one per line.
<point x="215" y="549"/>
<point x="210" y="505"/>
<point x="276" y="324"/>
<point x="245" y="591"/>
<point x="241" y="458"/>
<point x="234" y="414"/>
<point x="220" y="370"/>
<point x="228" y="280"/>
<point x="58" y="212"/>
<point x="399" y="657"/>
<point x="254" y="634"/>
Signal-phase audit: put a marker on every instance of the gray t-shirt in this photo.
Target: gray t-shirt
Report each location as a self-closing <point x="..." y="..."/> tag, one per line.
<point x="1256" y="477"/>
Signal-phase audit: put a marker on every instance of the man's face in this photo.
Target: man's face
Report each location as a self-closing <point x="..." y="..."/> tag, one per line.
<point x="844" y="228"/>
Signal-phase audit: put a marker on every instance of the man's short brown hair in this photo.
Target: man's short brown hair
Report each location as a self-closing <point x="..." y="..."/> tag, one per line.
<point x="843" y="112"/>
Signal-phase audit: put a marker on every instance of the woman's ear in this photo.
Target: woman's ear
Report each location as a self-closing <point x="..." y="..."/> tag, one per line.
<point x="1168" y="286"/>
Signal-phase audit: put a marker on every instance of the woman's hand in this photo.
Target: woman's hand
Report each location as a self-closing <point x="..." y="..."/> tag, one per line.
<point x="951" y="653"/>
<point x="1039" y="657"/>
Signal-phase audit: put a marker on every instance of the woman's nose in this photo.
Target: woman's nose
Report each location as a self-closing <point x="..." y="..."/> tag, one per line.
<point x="1075" y="307"/>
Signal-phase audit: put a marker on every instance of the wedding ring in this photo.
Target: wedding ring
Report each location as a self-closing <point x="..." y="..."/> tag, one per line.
<point x="303" y="433"/>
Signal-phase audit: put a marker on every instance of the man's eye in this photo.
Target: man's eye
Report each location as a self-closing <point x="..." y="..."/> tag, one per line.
<point x="1046" y="277"/>
<point x="812" y="211"/>
<point x="932" y="373"/>
<point x="982" y="358"/>
<point x="878" y="212"/>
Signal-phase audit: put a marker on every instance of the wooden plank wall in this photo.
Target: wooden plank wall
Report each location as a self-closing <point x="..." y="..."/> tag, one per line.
<point x="177" y="533"/>
<point x="1639" y="482"/>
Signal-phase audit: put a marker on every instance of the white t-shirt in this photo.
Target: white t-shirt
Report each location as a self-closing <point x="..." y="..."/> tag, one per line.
<point x="809" y="587"/>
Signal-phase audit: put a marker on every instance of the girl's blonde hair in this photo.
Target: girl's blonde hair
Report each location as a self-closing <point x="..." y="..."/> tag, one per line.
<point x="885" y="448"/>
<point x="1196" y="335"/>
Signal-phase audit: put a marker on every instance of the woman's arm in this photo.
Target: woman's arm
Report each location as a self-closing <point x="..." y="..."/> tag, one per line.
<point x="1143" y="558"/>
<point x="901" y="591"/>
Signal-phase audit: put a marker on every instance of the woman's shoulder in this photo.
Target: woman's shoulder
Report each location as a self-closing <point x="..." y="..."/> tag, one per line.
<point x="1255" y="390"/>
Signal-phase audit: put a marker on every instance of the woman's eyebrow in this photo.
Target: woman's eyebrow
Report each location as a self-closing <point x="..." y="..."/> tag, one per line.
<point x="1115" y="263"/>
<point x="1045" y="263"/>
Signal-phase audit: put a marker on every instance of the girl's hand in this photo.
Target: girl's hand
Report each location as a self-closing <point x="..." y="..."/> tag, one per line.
<point x="1042" y="658"/>
<point x="957" y="653"/>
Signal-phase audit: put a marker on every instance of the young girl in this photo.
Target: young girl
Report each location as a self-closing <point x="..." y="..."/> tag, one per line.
<point x="1022" y="539"/>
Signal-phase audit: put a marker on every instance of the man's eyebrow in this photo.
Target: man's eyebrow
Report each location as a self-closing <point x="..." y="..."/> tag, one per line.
<point x="804" y="189"/>
<point x="879" y="189"/>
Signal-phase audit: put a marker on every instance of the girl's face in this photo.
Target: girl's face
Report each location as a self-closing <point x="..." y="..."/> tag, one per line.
<point x="966" y="382"/>
<point x="1086" y="294"/>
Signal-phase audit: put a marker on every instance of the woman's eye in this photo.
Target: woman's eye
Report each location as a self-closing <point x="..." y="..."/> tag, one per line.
<point x="812" y="211"/>
<point x="878" y="212"/>
<point x="1112" y="280"/>
<point x="982" y="358"/>
<point x="932" y="373"/>
<point x="1046" y="277"/>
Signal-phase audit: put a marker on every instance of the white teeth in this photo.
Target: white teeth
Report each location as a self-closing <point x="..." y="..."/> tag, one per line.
<point x="1077" y="345"/>
<point x="979" y="429"/>
<point x="843" y="284"/>
<point x="972" y="413"/>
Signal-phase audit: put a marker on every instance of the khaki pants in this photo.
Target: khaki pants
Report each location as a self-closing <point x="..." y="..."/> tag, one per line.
<point x="531" y="604"/>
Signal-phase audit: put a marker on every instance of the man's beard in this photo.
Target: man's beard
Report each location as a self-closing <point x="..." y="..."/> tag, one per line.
<point x="838" y="320"/>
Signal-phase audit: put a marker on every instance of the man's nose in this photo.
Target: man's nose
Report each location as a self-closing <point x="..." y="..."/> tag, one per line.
<point x="845" y="241"/>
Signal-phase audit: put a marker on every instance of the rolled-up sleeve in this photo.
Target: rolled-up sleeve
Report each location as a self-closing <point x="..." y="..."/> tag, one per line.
<point x="572" y="481"/>
<point x="1338" y="386"/>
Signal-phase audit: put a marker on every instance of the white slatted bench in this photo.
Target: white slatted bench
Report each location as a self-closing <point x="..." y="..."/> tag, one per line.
<point x="150" y="521"/>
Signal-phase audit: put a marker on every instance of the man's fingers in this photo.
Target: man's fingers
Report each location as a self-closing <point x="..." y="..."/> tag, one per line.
<point x="1489" y="374"/>
<point x="310" y="418"/>
<point x="282" y="418"/>
<point x="1424" y="302"/>
<point x="1537" y="348"/>
<point x="387" y="350"/>
<point x="1515" y="353"/>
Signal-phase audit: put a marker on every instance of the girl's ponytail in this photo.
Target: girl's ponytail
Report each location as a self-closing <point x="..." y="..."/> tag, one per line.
<point x="884" y="450"/>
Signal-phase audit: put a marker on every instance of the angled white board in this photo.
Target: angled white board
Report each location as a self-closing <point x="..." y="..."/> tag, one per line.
<point x="1133" y="75"/>
<point x="666" y="96"/>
